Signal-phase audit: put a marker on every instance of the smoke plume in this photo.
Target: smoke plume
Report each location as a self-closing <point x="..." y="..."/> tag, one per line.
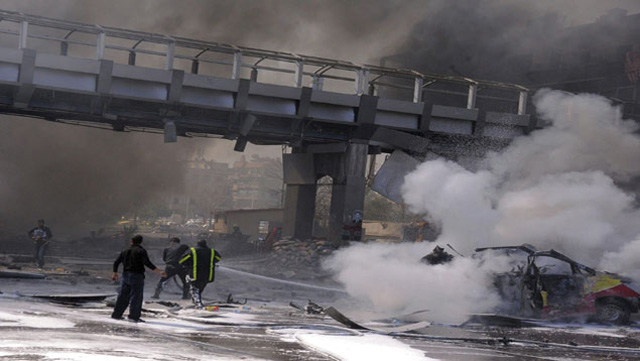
<point x="393" y="282"/>
<point x="556" y="189"/>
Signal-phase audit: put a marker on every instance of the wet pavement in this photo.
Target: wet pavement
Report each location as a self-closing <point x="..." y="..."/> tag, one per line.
<point x="264" y="328"/>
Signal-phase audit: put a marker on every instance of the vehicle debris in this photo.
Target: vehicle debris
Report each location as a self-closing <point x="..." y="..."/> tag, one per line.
<point x="21" y="274"/>
<point x="437" y="256"/>
<point x="550" y="285"/>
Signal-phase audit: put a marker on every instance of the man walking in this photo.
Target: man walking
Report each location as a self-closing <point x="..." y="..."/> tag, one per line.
<point x="41" y="235"/>
<point x="171" y="256"/>
<point x="131" y="289"/>
<point x="199" y="263"/>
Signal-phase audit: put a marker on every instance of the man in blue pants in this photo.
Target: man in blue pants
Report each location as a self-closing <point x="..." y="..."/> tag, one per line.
<point x="41" y="235"/>
<point x="134" y="259"/>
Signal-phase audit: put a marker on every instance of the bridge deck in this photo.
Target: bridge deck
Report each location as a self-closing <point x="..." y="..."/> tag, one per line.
<point x="57" y="74"/>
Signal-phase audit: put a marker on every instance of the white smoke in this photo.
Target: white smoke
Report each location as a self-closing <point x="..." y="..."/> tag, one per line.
<point x="459" y="199"/>
<point x="393" y="280"/>
<point x="557" y="188"/>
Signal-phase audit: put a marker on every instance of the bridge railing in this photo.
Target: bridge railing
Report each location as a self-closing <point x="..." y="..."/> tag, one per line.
<point x="225" y="60"/>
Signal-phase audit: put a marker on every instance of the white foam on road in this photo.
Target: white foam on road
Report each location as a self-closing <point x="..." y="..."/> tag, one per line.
<point x="79" y="356"/>
<point x="370" y="347"/>
<point x="33" y="321"/>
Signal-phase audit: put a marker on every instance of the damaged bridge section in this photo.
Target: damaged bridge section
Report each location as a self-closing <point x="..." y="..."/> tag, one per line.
<point x="332" y="113"/>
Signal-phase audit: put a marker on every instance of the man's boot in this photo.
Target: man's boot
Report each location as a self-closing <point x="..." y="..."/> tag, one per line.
<point x="195" y="296"/>
<point x="156" y="295"/>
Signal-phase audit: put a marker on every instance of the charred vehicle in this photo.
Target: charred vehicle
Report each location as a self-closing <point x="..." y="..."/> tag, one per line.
<point x="550" y="285"/>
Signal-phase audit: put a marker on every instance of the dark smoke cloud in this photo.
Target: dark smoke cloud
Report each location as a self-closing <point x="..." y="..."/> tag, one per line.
<point x="70" y="174"/>
<point x="351" y="30"/>
<point x="481" y="38"/>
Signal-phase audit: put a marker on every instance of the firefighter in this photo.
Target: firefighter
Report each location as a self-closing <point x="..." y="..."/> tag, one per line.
<point x="41" y="235"/>
<point x="171" y="256"/>
<point x="199" y="264"/>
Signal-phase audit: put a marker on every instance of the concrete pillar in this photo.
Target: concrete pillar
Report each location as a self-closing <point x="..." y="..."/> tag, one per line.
<point x="299" y="210"/>
<point x="347" y="167"/>
<point x="348" y="190"/>
<point x="300" y="197"/>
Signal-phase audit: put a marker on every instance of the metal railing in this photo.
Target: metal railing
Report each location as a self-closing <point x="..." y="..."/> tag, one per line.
<point x="365" y="79"/>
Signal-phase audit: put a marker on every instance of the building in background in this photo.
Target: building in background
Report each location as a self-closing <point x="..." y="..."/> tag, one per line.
<point x="256" y="183"/>
<point x="207" y="190"/>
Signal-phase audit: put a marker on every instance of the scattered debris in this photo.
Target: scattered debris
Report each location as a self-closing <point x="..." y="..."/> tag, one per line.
<point x="230" y="300"/>
<point x="500" y="321"/>
<point x="81" y="272"/>
<point x="338" y="316"/>
<point x="167" y="303"/>
<point x="437" y="256"/>
<point x="296" y="306"/>
<point x="21" y="274"/>
<point x="313" y="308"/>
<point x="75" y="298"/>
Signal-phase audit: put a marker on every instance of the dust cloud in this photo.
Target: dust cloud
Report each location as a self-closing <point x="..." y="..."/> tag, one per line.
<point x="75" y="177"/>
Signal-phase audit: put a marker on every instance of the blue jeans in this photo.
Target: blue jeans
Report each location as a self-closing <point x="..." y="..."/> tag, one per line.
<point x="38" y="253"/>
<point x="130" y="294"/>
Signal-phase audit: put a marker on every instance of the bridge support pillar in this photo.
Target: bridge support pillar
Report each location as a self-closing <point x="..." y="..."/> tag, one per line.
<point x="348" y="190"/>
<point x="299" y="210"/>
<point x="346" y="165"/>
<point x="300" y="198"/>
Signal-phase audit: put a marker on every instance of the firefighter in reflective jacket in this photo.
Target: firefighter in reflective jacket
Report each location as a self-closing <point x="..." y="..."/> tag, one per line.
<point x="199" y="264"/>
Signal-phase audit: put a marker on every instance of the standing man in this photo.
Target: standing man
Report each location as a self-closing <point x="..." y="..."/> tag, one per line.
<point x="41" y="235"/>
<point x="200" y="264"/>
<point x="171" y="256"/>
<point x="131" y="289"/>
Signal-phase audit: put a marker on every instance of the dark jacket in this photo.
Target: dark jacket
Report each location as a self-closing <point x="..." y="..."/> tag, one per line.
<point x="40" y="234"/>
<point x="133" y="259"/>
<point x="200" y="263"/>
<point x="172" y="255"/>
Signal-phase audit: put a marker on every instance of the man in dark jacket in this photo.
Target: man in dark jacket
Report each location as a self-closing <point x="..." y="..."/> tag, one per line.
<point x="133" y="259"/>
<point x="171" y="256"/>
<point x="41" y="235"/>
<point x="199" y="263"/>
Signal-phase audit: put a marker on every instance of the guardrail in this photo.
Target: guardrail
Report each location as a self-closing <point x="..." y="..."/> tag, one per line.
<point x="316" y="71"/>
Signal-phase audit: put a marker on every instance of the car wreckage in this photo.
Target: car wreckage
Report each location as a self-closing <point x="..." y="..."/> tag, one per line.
<point x="550" y="285"/>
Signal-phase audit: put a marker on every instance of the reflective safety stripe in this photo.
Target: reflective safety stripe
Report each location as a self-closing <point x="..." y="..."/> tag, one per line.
<point x="213" y="253"/>
<point x="184" y="259"/>
<point x="195" y="263"/>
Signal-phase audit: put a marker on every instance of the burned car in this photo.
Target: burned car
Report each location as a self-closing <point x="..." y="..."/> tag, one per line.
<point x="550" y="285"/>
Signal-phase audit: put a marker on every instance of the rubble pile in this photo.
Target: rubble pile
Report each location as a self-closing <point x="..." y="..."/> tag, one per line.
<point x="290" y="254"/>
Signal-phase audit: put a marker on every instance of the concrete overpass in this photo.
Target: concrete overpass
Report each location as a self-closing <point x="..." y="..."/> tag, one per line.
<point x="332" y="113"/>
